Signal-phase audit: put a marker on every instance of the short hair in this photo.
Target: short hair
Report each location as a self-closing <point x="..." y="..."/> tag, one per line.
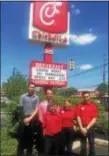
<point x="31" y="83"/>
<point x="45" y="89"/>
<point x="52" y="103"/>
<point x="85" y="92"/>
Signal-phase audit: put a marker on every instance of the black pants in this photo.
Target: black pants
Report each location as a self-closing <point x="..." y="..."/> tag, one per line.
<point x="91" y="137"/>
<point x="66" y="141"/>
<point x="52" y="145"/>
<point x="25" y="141"/>
<point x="39" y="139"/>
<point x="27" y="136"/>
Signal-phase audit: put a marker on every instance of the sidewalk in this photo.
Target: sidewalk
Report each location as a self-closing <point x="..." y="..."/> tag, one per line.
<point x="100" y="144"/>
<point x="98" y="141"/>
<point x="100" y="151"/>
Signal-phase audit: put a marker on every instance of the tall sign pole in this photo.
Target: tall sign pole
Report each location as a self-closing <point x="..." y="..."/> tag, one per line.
<point x="48" y="58"/>
<point x="48" y="53"/>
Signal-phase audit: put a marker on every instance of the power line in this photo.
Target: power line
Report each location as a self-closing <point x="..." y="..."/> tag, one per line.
<point x="90" y="86"/>
<point x="92" y="69"/>
<point x="96" y="74"/>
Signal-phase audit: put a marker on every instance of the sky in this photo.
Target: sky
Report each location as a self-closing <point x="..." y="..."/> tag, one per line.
<point x="88" y="41"/>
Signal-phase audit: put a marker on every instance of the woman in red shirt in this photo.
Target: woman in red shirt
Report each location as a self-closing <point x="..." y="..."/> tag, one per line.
<point x="68" y="115"/>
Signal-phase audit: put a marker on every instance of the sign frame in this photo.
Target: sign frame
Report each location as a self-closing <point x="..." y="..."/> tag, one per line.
<point x="48" y="83"/>
<point x="59" y="42"/>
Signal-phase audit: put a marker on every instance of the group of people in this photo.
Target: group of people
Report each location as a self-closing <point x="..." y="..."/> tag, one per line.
<point x="54" y="127"/>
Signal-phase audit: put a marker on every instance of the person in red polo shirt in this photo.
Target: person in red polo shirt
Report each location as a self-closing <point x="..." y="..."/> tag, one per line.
<point x="68" y="115"/>
<point x="87" y="114"/>
<point x="52" y="125"/>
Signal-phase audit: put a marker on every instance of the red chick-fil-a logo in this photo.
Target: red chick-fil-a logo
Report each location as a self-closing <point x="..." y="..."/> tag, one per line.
<point x="50" y="16"/>
<point x="44" y="11"/>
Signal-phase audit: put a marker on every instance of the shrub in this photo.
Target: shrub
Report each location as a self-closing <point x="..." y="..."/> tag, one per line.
<point x="8" y="145"/>
<point x="13" y="109"/>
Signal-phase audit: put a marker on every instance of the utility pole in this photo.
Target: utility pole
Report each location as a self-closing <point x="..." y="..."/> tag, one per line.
<point x="104" y="69"/>
<point x="104" y="76"/>
<point x="13" y="73"/>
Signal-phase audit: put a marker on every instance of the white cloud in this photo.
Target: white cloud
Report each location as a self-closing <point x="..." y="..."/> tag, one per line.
<point x="77" y="11"/>
<point x="83" y="39"/>
<point x="90" y="30"/>
<point x="73" y="6"/>
<point x="85" y="67"/>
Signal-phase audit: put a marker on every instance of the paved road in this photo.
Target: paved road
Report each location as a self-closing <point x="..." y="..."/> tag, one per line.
<point x="100" y="151"/>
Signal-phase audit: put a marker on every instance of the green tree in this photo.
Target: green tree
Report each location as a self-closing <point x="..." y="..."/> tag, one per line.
<point x="67" y="91"/>
<point x="15" y="86"/>
<point x="102" y="88"/>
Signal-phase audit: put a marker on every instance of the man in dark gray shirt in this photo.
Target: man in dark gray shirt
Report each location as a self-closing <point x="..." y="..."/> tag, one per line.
<point x="29" y="103"/>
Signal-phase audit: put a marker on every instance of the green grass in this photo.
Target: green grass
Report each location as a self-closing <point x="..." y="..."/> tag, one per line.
<point x="8" y="145"/>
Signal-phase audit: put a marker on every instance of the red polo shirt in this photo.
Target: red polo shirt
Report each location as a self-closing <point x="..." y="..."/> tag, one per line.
<point x="52" y="123"/>
<point x="86" y="111"/>
<point x="68" y="115"/>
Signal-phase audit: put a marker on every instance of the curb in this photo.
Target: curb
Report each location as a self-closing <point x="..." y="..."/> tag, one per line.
<point x="76" y="144"/>
<point x="101" y="142"/>
<point x="98" y="141"/>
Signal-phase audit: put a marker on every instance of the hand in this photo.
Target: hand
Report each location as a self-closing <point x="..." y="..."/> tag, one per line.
<point x="84" y="131"/>
<point x="43" y="132"/>
<point x="26" y="121"/>
<point x="74" y="128"/>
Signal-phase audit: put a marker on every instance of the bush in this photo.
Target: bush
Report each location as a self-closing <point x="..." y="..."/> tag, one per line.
<point x="60" y="101"/>
<point x="102" y="123"/>
<point x="3" y="104"/>
<point x="14" y="110"/>
<point x="8" y="145"/>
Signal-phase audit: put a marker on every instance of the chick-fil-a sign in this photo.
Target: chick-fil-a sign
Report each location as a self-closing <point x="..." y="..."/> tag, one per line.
<point x="48" y="74"/>
<point x="49" y="22"/>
